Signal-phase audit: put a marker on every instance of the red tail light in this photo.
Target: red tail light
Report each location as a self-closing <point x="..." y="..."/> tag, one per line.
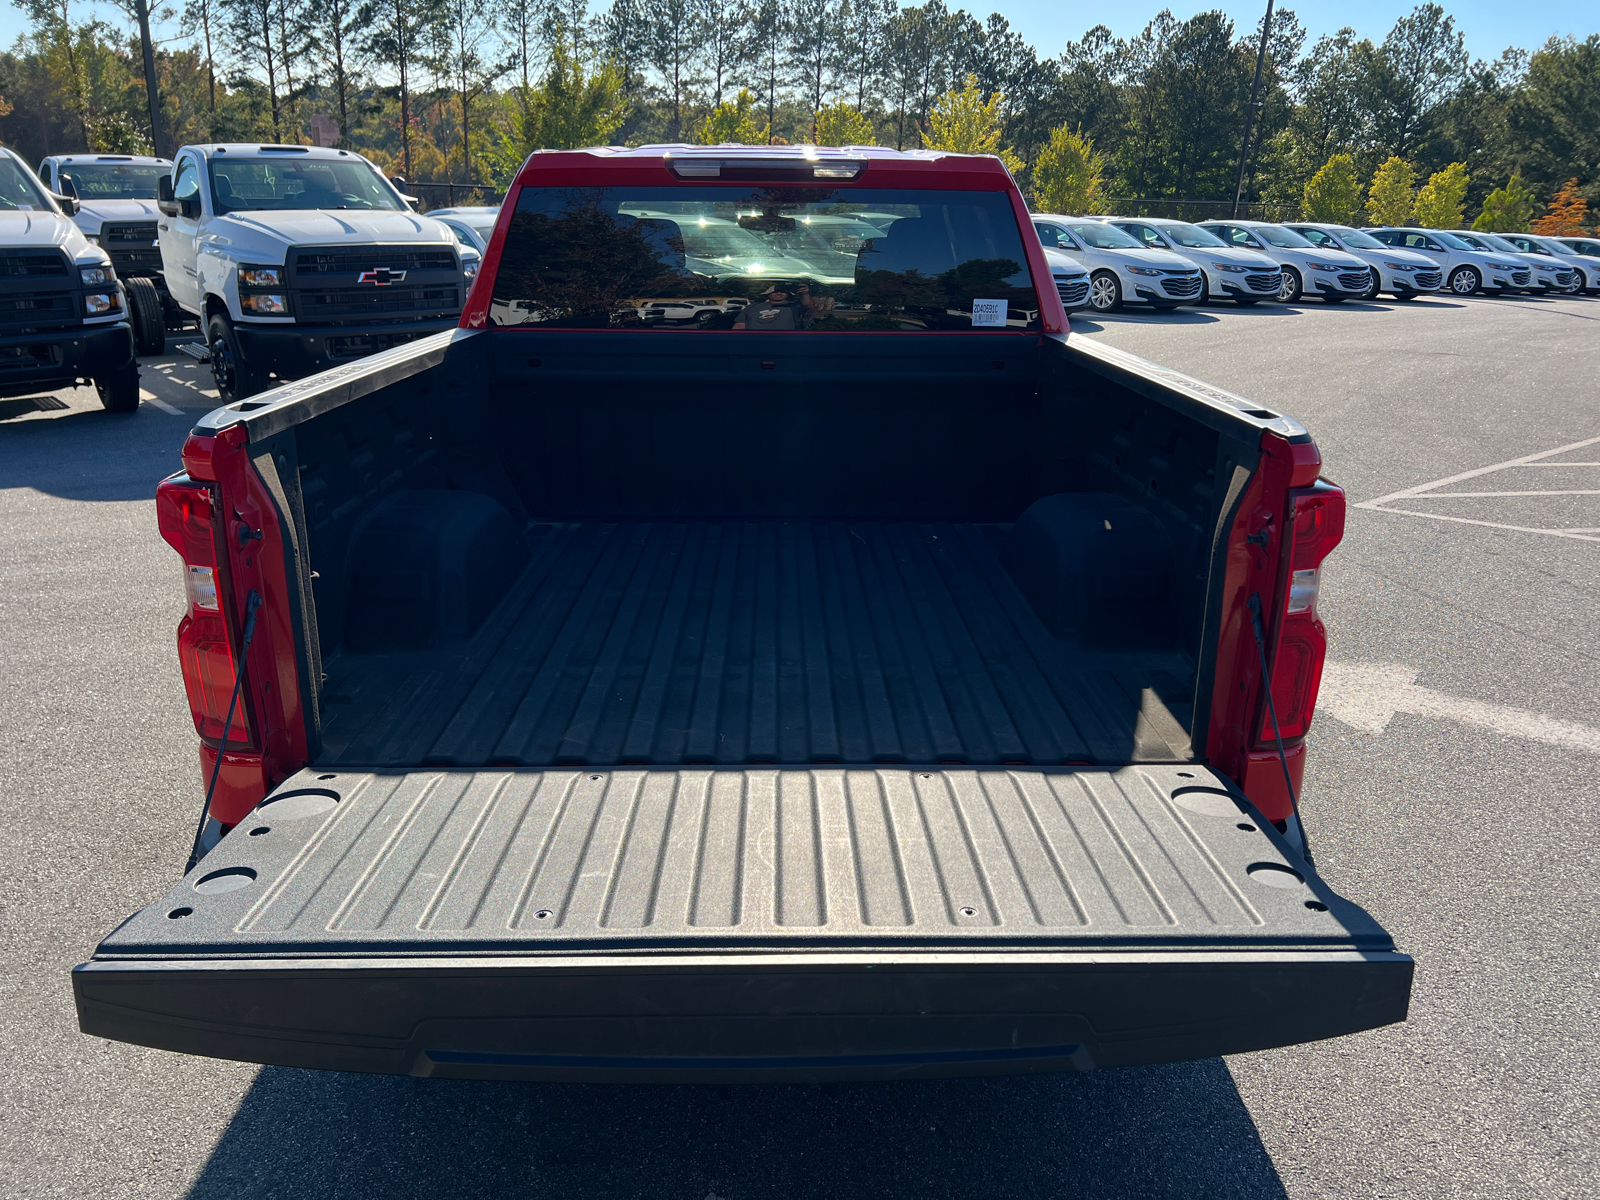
<point x="1315" y="528"/>
<point x="205" y="652"/>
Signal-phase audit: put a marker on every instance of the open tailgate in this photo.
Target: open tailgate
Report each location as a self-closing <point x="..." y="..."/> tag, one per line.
<point x="765" y="923"/>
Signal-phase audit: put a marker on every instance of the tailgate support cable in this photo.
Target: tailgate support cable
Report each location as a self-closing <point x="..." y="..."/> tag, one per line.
<point x="252" y="605"/>
<point x="1272" y="709"/>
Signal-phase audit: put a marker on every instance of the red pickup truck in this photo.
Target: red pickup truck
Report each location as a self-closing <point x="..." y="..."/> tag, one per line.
<point x="759" y="643"/>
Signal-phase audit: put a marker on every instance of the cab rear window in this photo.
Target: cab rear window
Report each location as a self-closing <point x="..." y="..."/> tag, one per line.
<point x="775" y="258"/>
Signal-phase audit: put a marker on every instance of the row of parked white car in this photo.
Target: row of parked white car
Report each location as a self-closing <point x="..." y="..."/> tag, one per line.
<point x="1106" y="263"/>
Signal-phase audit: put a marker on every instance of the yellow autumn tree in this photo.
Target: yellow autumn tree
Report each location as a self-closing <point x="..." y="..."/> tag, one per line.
<point x="1068" y="175"/>
<point x="963" y="123"/>
<point x="733" y="121"/>
<point x="1440" y="201"/>
<point x="1393" y="192"/>
<point x="841" y="125"/>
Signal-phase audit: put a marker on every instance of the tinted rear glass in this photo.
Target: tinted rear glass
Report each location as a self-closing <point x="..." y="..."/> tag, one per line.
<point x="782" y="258"/>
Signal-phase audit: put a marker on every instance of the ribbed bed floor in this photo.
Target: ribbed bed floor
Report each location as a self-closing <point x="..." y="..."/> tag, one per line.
<point x="758" y="642"/>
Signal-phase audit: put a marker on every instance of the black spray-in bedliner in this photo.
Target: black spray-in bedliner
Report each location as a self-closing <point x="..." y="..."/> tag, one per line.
<point x="750" y="642"/>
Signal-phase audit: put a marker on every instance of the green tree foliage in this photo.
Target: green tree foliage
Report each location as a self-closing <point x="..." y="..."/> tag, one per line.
<point x="1069" y="174"/>
<point x="575" y="105"/>
<point x="841" y="125"/>
<point x="1440" y="201"/>
<point x="733" y="121"/>
<point x="1393" y="192"/>
<point x="1334" y="193"/>
<point x="454" y="89"/>
<point x="962" y="122"/>
<point x="1507" y="209"/>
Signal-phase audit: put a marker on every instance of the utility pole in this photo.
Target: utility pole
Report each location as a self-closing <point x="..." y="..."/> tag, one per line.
<point x="1250" y="113"/>
<point x="141" y="10"/>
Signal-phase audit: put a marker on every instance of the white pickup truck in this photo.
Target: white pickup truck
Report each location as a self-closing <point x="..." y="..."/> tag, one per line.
<point x="297" y="258"/>
<point x="116" y="195"/>
<point x="63" y="315"/>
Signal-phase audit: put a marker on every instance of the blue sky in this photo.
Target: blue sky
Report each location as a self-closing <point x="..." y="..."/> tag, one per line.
<point x="1490" y="25"/>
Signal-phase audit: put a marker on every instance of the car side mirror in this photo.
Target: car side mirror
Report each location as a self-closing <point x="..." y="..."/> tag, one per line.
<point x="189" y="206"/>
<point x="165" y="204"/>
<point x="65" y="186"/>
<point x="69" y="204"/>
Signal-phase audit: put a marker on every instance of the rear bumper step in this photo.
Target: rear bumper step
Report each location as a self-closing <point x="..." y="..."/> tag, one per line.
<point x="719" y="1018"/>
<point x="716" y="925"/>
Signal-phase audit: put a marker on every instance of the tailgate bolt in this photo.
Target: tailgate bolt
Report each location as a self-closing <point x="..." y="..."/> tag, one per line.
<point x="543" y="914"/>
<point x="969" y="912"/>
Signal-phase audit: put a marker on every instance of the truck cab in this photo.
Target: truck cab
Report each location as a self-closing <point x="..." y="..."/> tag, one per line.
<point x="116" y="195"/>
<point x="63" y="314"/>
<point x="299" y="258"/>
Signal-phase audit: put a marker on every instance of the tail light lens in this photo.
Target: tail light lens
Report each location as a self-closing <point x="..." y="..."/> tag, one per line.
<point x="1316" y="526"/>
<point x="184" y="511"/>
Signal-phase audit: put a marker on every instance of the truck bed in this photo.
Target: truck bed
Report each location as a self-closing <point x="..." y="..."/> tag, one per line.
<point x="744" y="924"/>
<point x="795" y="642"/>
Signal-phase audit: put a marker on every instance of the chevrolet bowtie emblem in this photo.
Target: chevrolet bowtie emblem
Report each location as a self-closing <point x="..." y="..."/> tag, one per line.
<point x="381" y="276"/>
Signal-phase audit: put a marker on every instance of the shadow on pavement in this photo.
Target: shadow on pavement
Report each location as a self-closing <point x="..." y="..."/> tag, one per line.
<point x="90" y="454"/>
<point x="1179" y="1130"/>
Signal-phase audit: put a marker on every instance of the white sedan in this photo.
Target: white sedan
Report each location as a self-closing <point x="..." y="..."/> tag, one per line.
<point x="1230" y="273"/>
<point x="1121" y="271"/>
<point x="1402" y="273"/>
<point x="1584" y="275"/>
<point x="1466" y="269"/>
<point x="1547" y="275"/>
<point x="1331" y="274"/>
<point x="1586" y="254"/>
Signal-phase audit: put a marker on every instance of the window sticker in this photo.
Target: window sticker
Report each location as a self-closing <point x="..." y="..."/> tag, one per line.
<point x="989" y="312"/>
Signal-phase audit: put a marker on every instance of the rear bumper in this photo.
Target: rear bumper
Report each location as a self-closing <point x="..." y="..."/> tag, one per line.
<point x="752" y="1018"/>
<point x="295" y="351"/>
<point x="59" y="358"/>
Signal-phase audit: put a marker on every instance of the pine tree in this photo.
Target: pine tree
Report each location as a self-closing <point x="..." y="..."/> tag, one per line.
<point x="962" y="123"/>
<point x="1393" y="192"/>
<point x="1334" y="193"/>
<point x="1439" y="200"/>
<point x="1507" y="209"/>
<point x="1068" y="174"/>
<point x="1568" y="211"/>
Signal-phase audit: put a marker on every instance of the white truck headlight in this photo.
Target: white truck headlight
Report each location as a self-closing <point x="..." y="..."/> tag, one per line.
<point x="260" y="277"/>
<point x="97" y="276"/>
<point x="101" y="304"/>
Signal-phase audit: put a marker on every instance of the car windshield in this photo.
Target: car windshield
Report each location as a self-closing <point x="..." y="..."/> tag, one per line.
<point x="17" y="189"/>
<point x="1489" y="241"/>
<point x="1357" y="239"/>
<point x="780" y="258"/>
<point x="1286" y="239"/>
<point x="1535" y="246"/>
<point x="272" y="184"/>
<point x="1105" y="237"/>
<point x="1192" y="236"/>
<point x="1449" y="239"/>
<point x="114" y="181"/>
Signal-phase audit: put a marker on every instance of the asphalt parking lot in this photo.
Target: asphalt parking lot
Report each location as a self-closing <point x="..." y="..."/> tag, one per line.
<point x="1452" y="790"/>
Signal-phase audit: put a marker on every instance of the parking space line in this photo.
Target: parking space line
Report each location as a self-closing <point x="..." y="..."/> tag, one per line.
<point x="1429" y="491"/>
<point x="1581" y="535"/>
<point x="1482" y="495"/>
<point x="1525" y="460"/>
<point x="170" y="410"/>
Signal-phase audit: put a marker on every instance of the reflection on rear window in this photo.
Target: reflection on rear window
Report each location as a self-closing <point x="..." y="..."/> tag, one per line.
<point x="780" y="258"/>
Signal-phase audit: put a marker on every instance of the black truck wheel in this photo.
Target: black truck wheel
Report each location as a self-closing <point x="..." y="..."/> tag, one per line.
<point x="235" y="380"/>
<point x="119" y="391"/>
<point x="149" y="322"/>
